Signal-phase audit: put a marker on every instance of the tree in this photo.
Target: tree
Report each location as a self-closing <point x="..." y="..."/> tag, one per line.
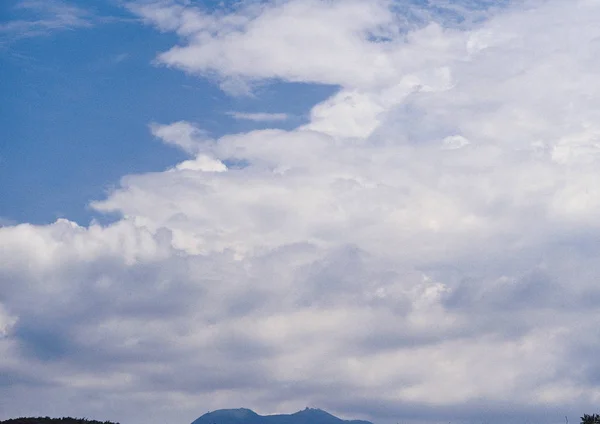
<point x="590" y="419"/>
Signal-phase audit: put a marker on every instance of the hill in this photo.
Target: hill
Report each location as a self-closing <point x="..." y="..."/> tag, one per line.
<point x="247" y="416"/>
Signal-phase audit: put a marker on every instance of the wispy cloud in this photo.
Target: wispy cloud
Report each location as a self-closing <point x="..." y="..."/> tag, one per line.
<point x="4" y="222"/>
<point x="39" y="18"/>
<point x="259" y="117"/>
<point x="183" y="135"/>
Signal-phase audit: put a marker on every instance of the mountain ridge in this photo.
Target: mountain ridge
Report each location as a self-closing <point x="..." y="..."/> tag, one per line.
<point x="248" y="416"/>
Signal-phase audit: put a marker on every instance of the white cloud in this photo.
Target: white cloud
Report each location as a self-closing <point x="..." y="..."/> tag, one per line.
<point x="259" y="117"/>
<point x="425" y="248"/>
<point x="183" y="135"/>
<point x="295" y="41"/>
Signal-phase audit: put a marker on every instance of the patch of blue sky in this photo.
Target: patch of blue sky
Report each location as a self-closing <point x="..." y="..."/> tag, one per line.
<point x="448" y="13"/>
<point x="77" y="104"/>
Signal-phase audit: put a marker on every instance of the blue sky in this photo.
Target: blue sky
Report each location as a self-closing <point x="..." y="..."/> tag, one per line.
<point x="385" y="209"/>
<point x="77" y="103"/>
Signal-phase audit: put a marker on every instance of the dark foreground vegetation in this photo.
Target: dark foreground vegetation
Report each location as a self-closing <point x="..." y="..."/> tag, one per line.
<point x="48" y="420"/>
<point x="590" y="419"/>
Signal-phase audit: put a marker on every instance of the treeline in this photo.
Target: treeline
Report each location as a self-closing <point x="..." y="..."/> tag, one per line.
<point x="48" y="420"/>
<point x="590" y="419"/>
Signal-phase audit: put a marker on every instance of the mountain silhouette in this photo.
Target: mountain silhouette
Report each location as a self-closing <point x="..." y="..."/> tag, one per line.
<point x="247" y="416"/>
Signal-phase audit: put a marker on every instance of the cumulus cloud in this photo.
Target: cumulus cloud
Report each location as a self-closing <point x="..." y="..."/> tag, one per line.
<point x="424" y="248"/>
<point x="267" y="40"/>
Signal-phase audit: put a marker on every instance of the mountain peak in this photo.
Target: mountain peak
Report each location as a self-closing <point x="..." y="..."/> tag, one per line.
<point x="313" y="411"/>
<point x="229" y="416"/>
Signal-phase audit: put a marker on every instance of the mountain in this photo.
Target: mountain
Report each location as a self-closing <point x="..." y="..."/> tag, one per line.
<point x="247" y="416"/>
<point x="230" y="416"/>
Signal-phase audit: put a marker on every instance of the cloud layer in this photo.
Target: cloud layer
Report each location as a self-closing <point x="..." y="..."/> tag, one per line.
<point x="424" y="248"/>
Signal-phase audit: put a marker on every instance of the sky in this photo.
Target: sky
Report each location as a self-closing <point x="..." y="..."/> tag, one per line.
<point x="387" y="209"/>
